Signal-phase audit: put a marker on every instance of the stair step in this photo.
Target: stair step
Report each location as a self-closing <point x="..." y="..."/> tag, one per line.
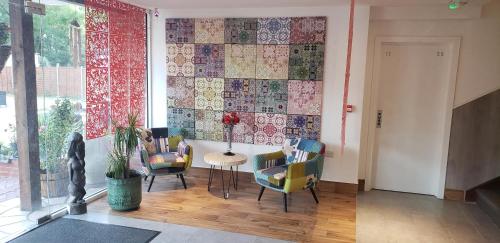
<point x="489" y="201"/>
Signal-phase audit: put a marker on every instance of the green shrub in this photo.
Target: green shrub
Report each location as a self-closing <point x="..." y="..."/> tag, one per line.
<point x="54" y="130"/>
<point x="4" y="33"/>
<point x="5" y="150"/>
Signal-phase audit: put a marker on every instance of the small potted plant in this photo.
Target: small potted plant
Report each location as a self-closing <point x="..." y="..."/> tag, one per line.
<point x="229" y="120"/>
<point x="4" y="47"/>
<point x="124" y="185"/>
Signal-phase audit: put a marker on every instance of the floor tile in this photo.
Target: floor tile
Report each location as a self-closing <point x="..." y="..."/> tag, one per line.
<point x="383" y="216"/>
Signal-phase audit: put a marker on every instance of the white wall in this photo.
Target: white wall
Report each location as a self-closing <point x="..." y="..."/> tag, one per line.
<point x="479" y="63"/>
<point x="340" y="168"/>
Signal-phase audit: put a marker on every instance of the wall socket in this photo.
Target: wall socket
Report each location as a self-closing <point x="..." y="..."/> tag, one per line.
<point x="329" y="154"/>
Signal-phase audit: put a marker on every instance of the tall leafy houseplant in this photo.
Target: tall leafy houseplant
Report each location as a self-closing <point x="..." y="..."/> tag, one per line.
<point x="124" y="184"/>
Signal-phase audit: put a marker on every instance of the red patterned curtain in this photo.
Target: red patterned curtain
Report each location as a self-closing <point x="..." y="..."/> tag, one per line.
<point x="115" y="64"/>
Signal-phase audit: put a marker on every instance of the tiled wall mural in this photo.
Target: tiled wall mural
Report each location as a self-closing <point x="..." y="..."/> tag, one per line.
<point x="269" y="70"/>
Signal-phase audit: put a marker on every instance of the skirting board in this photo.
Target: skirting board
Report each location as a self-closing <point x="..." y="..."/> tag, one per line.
<point x="327" y="186"/>
<point x="454" y="195"/>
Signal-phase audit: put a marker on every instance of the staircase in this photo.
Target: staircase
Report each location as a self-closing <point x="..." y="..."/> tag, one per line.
<point x="487" y="197"/>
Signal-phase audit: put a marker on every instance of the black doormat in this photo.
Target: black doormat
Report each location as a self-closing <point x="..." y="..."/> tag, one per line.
<point x="66" y="230"/>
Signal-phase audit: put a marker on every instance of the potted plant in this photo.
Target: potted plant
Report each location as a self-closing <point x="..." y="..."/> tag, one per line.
<point x="54" y="130"/>
<point x="4" y="48"/>
<point x="124" y="185"/>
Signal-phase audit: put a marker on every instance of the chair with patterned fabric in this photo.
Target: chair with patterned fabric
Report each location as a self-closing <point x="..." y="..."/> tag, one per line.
<point x="164" y="155"/>
<point x="297" y="167"/>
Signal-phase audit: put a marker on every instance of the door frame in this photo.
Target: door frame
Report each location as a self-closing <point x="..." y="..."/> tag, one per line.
<point x="453" y="46"/>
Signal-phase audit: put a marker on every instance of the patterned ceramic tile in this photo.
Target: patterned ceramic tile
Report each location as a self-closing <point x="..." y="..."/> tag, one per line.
<point x="306" y="62"/>
<point x="269" y="129"/>
<point x="179" y="30"/>
<point x="182" y="118"/>
<point x="239" y="95"/>
<point x="208" y="125"/>
<point x="240" y="61"/>
<point x="180" y="60"/>
<point x="209" y="30"/>
<point x="304" y="97"/>
<point x="308" y="30"/>
<point x="273" y="31"/>
<point x="243" y="132"/>
<point x="303" y="126"/>
<point x="209" y="60"/>
<point x="272" y="62"/>
<point x="240" y="30"/>
<point x="208" y="94"/>
<point x="271" y="96"/>
<point x="180" y="92"/>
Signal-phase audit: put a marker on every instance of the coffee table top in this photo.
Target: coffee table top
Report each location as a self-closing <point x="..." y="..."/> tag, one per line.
<point x="219" y="159"/>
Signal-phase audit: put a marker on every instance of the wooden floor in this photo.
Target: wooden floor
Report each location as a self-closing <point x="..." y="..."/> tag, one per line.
<point x="332" y="220"/>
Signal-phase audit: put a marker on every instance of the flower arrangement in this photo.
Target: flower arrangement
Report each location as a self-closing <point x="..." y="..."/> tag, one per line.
<point x="229" y="120"/>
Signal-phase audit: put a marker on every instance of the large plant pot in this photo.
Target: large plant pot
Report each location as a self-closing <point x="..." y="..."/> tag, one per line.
<point x="54" y="184"/>
<point x="125" y="194"/>
<point x="4" y="55"/>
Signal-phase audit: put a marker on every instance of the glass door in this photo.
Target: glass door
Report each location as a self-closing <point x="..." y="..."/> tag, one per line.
<point x="61" y="82"/>
<point x="59" y="58"/>
<point x="12" y="218"/>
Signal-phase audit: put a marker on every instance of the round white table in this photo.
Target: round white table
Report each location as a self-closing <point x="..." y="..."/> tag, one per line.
<point x="217" y="159"/>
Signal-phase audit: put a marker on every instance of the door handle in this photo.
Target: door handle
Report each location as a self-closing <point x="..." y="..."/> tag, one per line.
<point x="379" y="118"/>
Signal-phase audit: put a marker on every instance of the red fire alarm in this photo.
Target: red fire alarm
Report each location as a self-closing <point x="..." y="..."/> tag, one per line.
<point x="349" y="108"/>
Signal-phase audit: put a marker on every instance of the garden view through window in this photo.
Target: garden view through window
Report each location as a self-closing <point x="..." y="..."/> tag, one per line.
<point x="59" y="38"/>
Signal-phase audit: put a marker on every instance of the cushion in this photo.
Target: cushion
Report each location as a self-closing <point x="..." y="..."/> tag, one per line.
<point x="165" y="160"/>
<point x="182" y="148"/>
<point x="274" y="175"/>
<point x="173" y="142"/>
<point x="292" y="152"/>
<point x="147" y="141"/>
<point x="161" y="145"/>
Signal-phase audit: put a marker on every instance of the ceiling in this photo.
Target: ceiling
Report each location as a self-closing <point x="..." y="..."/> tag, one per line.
<point x="175" y="4"/>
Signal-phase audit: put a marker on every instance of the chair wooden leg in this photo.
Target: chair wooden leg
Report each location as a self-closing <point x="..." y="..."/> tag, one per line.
<point x="285" y="202"/>
<point x="260" y="193"/>
<point x="151" y="183"/>
<point x="183" y="181"/>
<point x="314" y="195"/>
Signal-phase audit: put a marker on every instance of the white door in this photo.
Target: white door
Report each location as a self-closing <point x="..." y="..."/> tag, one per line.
<point x="412" y="97"/>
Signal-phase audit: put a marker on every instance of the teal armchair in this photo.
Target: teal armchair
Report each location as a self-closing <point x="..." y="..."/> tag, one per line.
<point x="299" y="170"/>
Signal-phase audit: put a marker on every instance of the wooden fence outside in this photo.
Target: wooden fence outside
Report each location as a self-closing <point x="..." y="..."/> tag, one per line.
<point x="51" y="81"/>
